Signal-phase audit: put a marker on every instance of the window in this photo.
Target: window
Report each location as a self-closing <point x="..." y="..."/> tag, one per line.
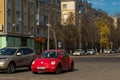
<point x="27" y="51"/>
<point x="17" y="28"/>
<point x="32" y="30"/>
<point x="9" y="27"/>
<point x="32" y="18"/>
<point x="25" y="29"/>
<point x="17" y="2"/>
<point x="38" y="31"/>
<point x="17" y="14"/>
<point x="64" y="18"/>
<point x="9" y="12"/>
<point x="32" y="5"/>
<point x="25" y="3"/>
<point x="64" y="6"/>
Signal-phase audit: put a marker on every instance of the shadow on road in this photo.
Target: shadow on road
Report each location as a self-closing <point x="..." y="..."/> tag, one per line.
<point x="18" y="70"/>
<point x="49" y="73"/>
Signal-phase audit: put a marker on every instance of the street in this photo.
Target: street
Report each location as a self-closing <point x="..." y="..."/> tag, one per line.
<point x="100" y="67"/>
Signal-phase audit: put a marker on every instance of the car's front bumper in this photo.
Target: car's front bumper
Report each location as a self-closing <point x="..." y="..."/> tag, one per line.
<point x="3" y="65"/>
<point x="43" y="69"/>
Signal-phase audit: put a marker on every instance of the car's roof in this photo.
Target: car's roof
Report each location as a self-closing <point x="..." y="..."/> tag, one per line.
<point x="16" y="47"/>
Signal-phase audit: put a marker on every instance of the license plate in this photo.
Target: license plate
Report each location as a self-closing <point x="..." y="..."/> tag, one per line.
<point x="41" y="68"/>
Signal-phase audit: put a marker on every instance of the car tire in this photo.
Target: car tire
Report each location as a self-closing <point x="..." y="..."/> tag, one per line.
<point x="59" y="69"/>
<point x="11" y="68"/>
<point x="34" y="72"/>
<point x="72" y="66"/>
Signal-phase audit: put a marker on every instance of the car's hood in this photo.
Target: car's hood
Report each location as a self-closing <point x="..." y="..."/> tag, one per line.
<point x="44" y="60"/>
<point x="4" y="57"/>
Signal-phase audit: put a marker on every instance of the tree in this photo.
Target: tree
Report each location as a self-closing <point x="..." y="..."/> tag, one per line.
<point x="102" y="24"/>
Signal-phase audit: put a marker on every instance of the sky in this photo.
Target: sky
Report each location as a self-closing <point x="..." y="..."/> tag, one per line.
<point x="109" y="6"/>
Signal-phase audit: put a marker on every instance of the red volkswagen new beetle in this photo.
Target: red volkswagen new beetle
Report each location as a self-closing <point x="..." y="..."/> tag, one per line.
<point x="52" y="61"/>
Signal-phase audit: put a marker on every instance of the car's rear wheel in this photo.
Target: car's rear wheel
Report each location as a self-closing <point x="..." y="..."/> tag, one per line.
<point x="11" y="68"/>
<point x="59" y="69"/>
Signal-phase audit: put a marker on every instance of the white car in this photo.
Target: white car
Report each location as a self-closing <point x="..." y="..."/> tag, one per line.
<point x="107" y="51"/>
<point x="78" y="52"/>
<point x="90" y="51"/>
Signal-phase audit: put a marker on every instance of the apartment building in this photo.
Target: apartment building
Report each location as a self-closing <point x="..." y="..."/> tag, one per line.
<point x="17" y="23"/>
<point x="70" y="8"/>
<point x="48" y="12"/>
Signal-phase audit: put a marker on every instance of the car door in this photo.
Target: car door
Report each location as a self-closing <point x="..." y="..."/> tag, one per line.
<point x="29" y="56"/>
<point x="65" y="60"/>
<point x="19" y="58"/>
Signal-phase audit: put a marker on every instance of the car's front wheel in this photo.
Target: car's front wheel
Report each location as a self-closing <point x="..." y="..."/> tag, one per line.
<point x="59" y="69"/>
<point x="34" y="72"/>
<point x="11" y="68"/>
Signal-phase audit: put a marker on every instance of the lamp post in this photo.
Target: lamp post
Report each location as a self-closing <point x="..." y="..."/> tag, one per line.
<point x="48" y="25"/>
<point x="79" y="29"/>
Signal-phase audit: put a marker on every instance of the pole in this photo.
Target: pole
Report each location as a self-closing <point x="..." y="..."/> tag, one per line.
<point x="48" y="39"/>
<point x="80" y="29"/>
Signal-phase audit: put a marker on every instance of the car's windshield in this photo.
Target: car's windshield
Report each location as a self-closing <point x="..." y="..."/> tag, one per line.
<point x="50" y="54"/>
<point x="78" y="50"/>
<point x="7" y="51"/>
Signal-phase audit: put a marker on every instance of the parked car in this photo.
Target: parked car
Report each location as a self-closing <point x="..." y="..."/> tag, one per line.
<point x="79" y="52"/>
<point x="16" y="57"/>
<point x="90" y="52"/>
<point x="52" y="61"/>
<point x="107" y="51"/>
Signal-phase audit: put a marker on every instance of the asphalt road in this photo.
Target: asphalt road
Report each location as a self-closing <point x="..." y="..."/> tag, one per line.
<point x="100" y="67"/>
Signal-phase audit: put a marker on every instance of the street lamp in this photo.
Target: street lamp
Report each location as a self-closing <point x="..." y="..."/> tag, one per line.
<point x="79" y="29"/>
<point x="48" y="25"/>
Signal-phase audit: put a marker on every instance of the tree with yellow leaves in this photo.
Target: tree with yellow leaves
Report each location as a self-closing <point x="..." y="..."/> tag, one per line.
<point x="102" y="24"/>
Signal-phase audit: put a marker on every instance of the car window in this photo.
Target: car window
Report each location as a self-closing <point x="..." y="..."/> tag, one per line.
<point x="25" y="51"/>
<point x="7" y="51"/>
<point x="50" y="54"/>
<point x="65" y="54"/>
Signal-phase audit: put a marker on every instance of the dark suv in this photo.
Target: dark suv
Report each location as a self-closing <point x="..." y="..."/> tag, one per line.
<point x="16" y="57"/>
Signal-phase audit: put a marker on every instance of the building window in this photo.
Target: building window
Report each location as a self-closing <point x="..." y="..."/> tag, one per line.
<point x="41" y="18"/>
<point x="32" y="18"/>
<point x="32" y="30"/>
<point x="25" y="29"/>
<point x="17" y="14"/>
<point x="9" y="27"/>
<point x="38" y="31"/>
<point x="25" y="2"/>
<point x="9" y="1"/>
<point x="64" y="18"/>
<point x="9" y="12"/>
<point x="64" y="6"/>
<point x="17" y="2"/>
<point x="32" y="5"/>
<point x="18" y="28"/>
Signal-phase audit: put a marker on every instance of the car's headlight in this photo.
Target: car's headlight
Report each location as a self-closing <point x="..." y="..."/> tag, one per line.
<point x="2" y="63"/>
<point x="33" y="62"/>
<point x="53" y="62"/>
<point x="4" y="59"/>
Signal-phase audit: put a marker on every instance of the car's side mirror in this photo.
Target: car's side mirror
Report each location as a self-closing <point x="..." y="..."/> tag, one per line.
<point x="19" y="54"/>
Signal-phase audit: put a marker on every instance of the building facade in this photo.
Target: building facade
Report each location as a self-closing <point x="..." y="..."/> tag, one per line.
<point x="48" y="12"/>
<point x="17" y="23"/>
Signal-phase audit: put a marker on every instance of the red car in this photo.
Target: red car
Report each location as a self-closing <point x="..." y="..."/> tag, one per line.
<point x="52" y="61"/>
